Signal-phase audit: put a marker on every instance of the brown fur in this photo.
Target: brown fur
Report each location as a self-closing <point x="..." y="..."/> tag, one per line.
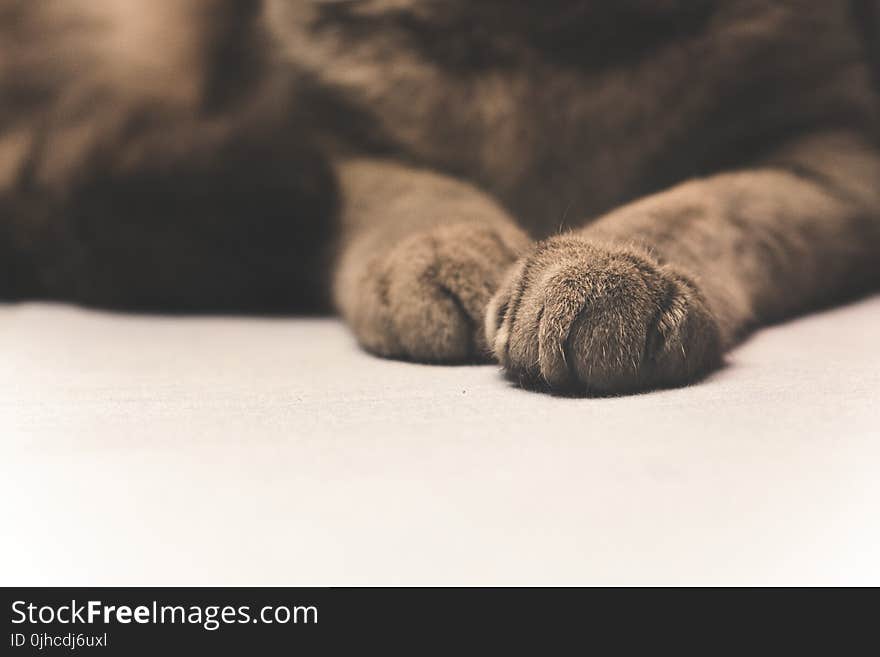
<point x="689" y="170"/>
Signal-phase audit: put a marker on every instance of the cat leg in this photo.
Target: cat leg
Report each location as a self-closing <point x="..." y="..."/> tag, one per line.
<point x="653" y="293"/>
<point x="420" y="256"/>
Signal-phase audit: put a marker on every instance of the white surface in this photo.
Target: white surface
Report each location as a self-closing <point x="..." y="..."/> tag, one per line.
<point x="151" y="450"/>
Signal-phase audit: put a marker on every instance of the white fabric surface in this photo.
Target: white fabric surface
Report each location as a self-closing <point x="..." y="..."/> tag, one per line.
<point x="221" y="451"/>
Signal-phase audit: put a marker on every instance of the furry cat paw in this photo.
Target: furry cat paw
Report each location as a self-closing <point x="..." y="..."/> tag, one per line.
<point x="589" y="319"/>
<point x="425" y="298"/>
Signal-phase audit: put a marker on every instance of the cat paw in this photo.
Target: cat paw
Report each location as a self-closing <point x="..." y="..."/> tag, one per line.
<point x="582" y="318"/>
<point x="425" y="298"/>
